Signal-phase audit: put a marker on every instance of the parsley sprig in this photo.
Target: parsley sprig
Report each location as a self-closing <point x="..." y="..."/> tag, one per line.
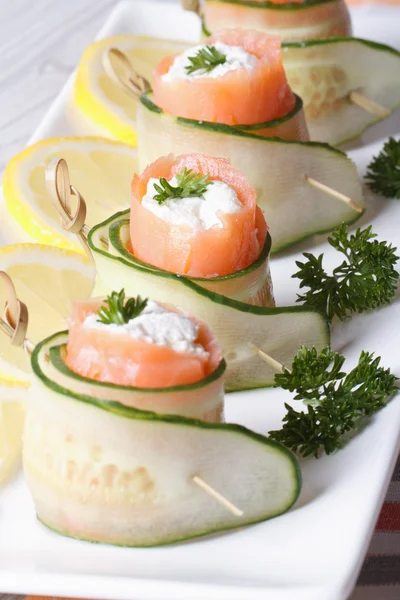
<point x="190" y="185"/>
<point x="205" y="60"/>
<point x="336" y="403"/>
<point x="383" y="174"/>
<point x="119" y="312"/>
<point x="365" y="280"/>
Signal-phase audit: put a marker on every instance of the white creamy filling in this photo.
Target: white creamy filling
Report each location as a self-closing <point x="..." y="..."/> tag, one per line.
<point x="236" y="58"/>
<point x="197" y="212"/>
<point x="158" y="326"/>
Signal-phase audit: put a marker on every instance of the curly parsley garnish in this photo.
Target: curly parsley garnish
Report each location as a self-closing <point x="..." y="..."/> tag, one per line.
<point x="383" y="175"/>
<point x="336" y="402"/>
<point x="205" y="60"/>
<point x="190" y="185"/>
<point x="365" y="280"/>
<point x="119" y="312"/>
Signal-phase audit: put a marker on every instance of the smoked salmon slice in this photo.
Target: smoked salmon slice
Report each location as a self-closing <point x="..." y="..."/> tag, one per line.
<point x="103" y="355"/>
<point x="238" y="97"/>
<point x="217" y="251"/>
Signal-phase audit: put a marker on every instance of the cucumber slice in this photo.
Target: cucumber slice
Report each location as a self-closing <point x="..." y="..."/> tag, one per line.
<point x="276" y="168"/>
<point x="291" y="126"/>
<point x="310" y="19"/>
<point x="201" y="400"/>
<point x="324" y="72"/>
<point x="236" y="325"/>
<point x="104" y="472"/>
<point x="252" y="285"/>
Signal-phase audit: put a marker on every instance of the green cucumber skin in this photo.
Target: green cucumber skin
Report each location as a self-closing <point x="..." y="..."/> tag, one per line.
<point x="346" y="40"/>
<point x="292" y="246"/>
<point x="128" y="412"/>
<point x="192" y="537"/>
<point x="376" y="46"/>
<point x="116" y="409"/>
<point x="320" y="42"/>
<point x="57" y="361"/>
<point x="214" y="297"/>
<point x="204" y="29"/>
<point x="246" y="130"/>
<point x="275" y="122"/>
<point x="289" y="6"/>
<point x="147" y="102"/>
<point x="220" y="128"/>
<point x="114" y="235"/>
<point x="59" y="364"/>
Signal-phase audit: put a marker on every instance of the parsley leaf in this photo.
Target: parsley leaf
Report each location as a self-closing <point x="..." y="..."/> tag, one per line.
<point x="383" y="174"/>
<point x="190" y="185"/>
<point x="117" y="311"/>
<point x="205" y="60"/>
<point x="336" y="403"/>
<point x="365" y="280"/>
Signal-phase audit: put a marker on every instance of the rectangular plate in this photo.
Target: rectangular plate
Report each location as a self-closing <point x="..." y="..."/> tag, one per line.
<point x="313" y="552"/>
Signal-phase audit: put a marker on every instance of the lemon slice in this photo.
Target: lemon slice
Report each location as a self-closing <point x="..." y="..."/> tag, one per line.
<point x="13" y="396"/>
<point x="46" y="279"/>
<point x="102" y="100"/>
<point x="101" y="169"/>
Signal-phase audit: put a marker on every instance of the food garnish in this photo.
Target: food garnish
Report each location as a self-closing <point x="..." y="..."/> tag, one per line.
<point x="205" y="60"/>
<point x="365" y="280"/>
<point x="336" y="402"/>
<point x="383" y="174"/>
<point x="118" y="311"/>
<point x="190" y="185"/>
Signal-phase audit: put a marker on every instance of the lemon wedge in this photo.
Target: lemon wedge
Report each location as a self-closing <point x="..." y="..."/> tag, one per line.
<point x="13" y="396"/>
<point x="100" y="169"/>
<point x="47" y="279"/>
<point x="102" y="100"/>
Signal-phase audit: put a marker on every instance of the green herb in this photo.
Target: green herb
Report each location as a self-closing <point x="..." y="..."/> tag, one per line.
<point x="118" y="311"/>
<point x="366" y="279"/>
<point x="383" y="175"/>
<point x="205" y="60"/>
<point x="336" y="403"/>
<point x="190" y="185"/>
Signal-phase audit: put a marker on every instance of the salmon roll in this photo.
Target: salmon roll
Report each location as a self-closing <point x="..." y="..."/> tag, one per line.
<point x="291" y="20"/>
<point x="196" y="216"/>
<point x="236" y="78"/>
<point x="159" y="347"/>
<point x="143" y="354"/>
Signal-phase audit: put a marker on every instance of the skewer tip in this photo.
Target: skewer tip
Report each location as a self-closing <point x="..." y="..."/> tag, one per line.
<point x="326" y="189"/>
<point x="238" y="512"/>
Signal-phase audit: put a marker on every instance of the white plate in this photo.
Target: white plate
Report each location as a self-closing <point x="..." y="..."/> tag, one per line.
<point x="312" y="553"/>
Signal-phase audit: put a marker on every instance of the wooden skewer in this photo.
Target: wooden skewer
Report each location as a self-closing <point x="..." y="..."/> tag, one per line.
<point x="126" y="76"/>
<point x="60" y="190"/>
<point x="134" y="83"/>
<point x="16" y="317"/>
<point x="333" y="193"/>
<point x="272" y="362"/>
<point x="217" y="496"/>
<point x="369" y="105"/>
<point x="192" y="5"/>
<point x="5" y="328"/>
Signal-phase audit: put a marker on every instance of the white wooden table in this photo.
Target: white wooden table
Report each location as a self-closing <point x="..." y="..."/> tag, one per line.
<point x="41" y="42"/>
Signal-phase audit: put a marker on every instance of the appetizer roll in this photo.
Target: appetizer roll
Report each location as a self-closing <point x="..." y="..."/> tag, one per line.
<point x="292" y="20"/>
<point x="236" y="79"/>
<point x="195" y="216"/>
<point x="107" y="472"/>
<point x="143" y="344"/>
